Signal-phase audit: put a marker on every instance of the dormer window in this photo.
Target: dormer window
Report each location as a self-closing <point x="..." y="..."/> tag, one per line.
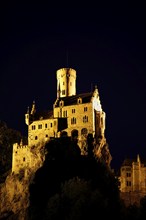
<point x="79" y="101"/>
<point x="61" y="103"/>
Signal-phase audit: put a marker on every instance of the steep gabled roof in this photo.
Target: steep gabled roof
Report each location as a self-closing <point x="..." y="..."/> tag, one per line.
<point x="128" y="161"/>
<point x="43" y="115"/>
<point x="72" y="100"/>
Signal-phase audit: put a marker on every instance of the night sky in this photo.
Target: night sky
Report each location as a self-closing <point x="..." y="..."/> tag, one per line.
<point x="107" y="48"/>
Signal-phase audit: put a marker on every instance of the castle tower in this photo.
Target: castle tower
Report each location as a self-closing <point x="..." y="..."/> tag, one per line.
<point x="66" y="82"/>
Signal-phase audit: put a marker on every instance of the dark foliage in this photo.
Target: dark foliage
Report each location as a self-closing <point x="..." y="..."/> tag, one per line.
<point x="8" y="137"/>
<point x="62" y="166"/>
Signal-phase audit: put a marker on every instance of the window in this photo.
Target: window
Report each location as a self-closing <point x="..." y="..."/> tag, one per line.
<point x="51" y="125"/>
<point x="64" y="113"/>
<point x="33" y="127"/>
<point x="128" y="174"/>
<point x="85" y="119"/>
<point x="46" y="125"/>
<point x="40" y="126"/>
<point x="36" y="137"/>
<point x="84" y="131"/>
<point x="79" y="101"/>
<point x="128" y="183"/>
<point x="85" y="109"/>
<point x="73" y="120"/>
<point x="73" y="110"/>
<point x="61" y="103"/>
<point x="23" y="159"/>
<point x="63" y="92"/>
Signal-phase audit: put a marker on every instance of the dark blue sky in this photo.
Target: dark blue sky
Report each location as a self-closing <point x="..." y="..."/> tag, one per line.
<point x="107" y="48"/>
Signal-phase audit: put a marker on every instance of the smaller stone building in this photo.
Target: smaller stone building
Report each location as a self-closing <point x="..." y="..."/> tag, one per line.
<point x="132" y="180"/>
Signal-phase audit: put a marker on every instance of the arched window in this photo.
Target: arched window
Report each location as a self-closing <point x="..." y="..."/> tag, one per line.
<point x="74" y="134"/>
<point x="79" y="101"/>
<point x="84" y="131"/>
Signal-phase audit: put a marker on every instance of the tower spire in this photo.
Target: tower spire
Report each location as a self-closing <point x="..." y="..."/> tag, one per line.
<point x="33" y="110"/>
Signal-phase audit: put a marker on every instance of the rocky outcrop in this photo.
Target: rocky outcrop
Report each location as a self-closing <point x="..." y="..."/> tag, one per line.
<point x="14" y="195"/>
<point x="14" y="192"/>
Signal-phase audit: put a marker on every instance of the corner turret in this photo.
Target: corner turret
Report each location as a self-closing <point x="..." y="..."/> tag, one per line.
<point x="27" y="116"/>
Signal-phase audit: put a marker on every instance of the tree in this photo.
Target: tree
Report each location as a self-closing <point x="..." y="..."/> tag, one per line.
<point x="8" y="137"/>
<point x="81" y="185"/>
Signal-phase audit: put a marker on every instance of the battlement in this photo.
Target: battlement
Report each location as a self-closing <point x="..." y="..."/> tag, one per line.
<point x="19" y="146"/>
<point x="65" y="71"/>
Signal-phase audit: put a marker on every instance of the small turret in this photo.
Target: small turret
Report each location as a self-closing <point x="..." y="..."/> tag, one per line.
<point x="27" y="117"/>
<point x="33" y="110"/>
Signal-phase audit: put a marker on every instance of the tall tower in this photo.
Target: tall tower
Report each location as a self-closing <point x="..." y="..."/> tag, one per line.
<point x="66" y="82"/>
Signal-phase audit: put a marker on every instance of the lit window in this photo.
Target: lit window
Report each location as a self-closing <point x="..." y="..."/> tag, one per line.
<point x="128" y="183"/>
<point x="73" y="110"/>
<point x="33" y="127"/>
<point x="85" y="119"/>
<point x="84" y="131"/>
<point x="79" y="101"/>
<point x="65" y="113"/>
<point x="40" y="126"/>
<point x="128" y="174"/>
<point x="73" y="120"/>
<point x="61" y="103"/>
<point x="63" y="92"/>
<point x="85" y="109"/>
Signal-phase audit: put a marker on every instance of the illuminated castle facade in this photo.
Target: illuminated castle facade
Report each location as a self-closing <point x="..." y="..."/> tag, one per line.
<point x="133" y="180"/>
<point x="73" y="115"/>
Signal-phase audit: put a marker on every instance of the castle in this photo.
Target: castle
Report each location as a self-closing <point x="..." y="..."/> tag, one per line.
<point x="74" y="115"/>
<point x="132" y="180"/>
